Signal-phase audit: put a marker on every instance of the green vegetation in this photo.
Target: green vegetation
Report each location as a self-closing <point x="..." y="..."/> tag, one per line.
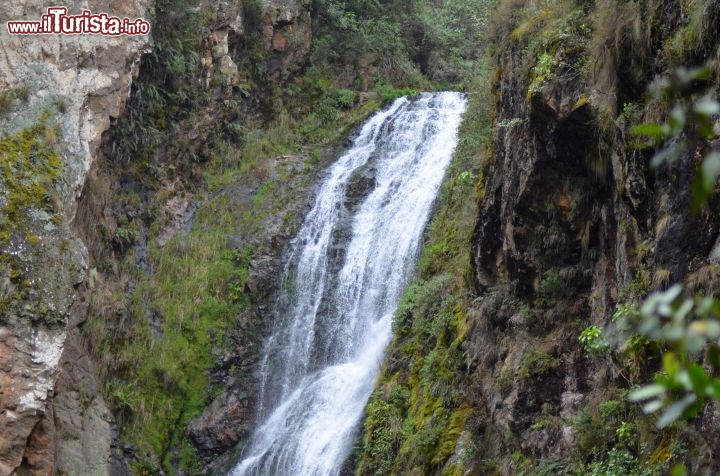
<point x="690" y="127"/>
<point x="156" y="340"/>
<point x="167" y="90"/>
<point x="536" y="364"/>
<point x="592" y="340"/>
<point x="609" y="52"/>
<point x="418" y="412"/>
<point x="29" y="169"/>
<point x="551" y="285"/>
<point x="612" y="437"/>
<point x="689" y="325"/>
<point x="156" y="360"/>
<point x="157" y="334"/>
<point x="161" y="329"/>
<point x="11" y="96"/>
<point x="418" y="44"/>
<point x="157" y="344"/>
<point x="693" y="42"/>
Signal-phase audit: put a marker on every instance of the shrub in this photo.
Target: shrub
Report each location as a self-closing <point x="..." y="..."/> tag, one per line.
<point x="592" y="340"/>
<point x="551" y="285"/>
<point x="536" y="364"/>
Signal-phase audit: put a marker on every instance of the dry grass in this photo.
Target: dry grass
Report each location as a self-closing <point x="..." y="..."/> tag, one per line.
<point x="661" y="278"/>
<point x="705" y="280"/>
<point x="620" y="36"/>
<point x="695" y="41"/>
<point x="505" y="19"/>
<point x="662" y="224"/>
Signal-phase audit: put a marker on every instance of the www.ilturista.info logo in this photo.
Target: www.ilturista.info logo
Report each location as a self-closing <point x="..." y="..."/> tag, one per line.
<point x="57" y="21"/>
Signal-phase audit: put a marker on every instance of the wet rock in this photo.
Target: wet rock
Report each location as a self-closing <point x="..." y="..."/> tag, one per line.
<point x="221" y="426"/>
<point x="360" y="185"/>
<point x="263" y="271"/>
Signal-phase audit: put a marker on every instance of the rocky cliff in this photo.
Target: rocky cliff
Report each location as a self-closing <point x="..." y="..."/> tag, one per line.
<point x="573" y="228"/>
<point x="150" y="183"/>
<point x="74" y="86"/>
<point x="60" y="97"/>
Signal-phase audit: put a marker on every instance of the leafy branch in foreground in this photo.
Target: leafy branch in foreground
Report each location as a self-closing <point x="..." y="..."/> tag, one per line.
<point x="690" y="127"/>
<point x="687" y="326"/>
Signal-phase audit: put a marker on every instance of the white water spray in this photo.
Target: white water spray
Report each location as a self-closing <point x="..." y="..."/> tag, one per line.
<point x="334" y="322"/>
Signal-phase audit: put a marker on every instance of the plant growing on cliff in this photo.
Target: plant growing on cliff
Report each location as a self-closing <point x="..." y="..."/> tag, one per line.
<point x="542" y="71"/>
<point x="28" y="169"/>
<point x="551" y="285"/>
<point x="592" y="340"/>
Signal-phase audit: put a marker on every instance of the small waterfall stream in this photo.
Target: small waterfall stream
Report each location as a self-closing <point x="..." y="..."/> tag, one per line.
<point x="346" y="271"/>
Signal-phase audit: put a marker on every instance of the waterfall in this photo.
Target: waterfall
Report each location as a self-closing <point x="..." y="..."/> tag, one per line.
<point x="345" y="273"/>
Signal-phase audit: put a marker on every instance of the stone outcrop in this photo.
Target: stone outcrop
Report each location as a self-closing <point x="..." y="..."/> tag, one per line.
<point x="81" y="83"/>
<point x="285" y="37"/>
<point x="52" y="415"/>
<point x="287" y="32"/>
<point x="572" y="223"/>
<point x="228" y="418"/>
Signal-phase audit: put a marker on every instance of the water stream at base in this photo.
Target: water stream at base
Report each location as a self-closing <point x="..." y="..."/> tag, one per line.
<point x="346" y="271"/>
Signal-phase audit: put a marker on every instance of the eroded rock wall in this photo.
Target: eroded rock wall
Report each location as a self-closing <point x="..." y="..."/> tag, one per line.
<point x="574" y="223"/>
<point x="80" y="82"/>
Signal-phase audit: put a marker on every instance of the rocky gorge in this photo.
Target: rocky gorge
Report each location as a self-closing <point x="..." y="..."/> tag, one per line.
<point x="150" y="186"/>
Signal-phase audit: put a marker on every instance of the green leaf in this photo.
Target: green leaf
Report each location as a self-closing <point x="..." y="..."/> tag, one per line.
<point x="698" y="378"/>
<point x="687" y="76"/>
<point x="714" y="357"/>
<point x="683" y="310"/>
<point x="671" y="293"/>
<point x="710" y="170"/>
<point x="675" y="410"/>
<point x="669" y="154"/>
<point x="677" y="120"/>
<point x="705" y="306"/>
<point x="714" y="389"/>
<point x="650" y="129"/>
<point x="682" y="381"/>
<point x="679" y="470"/>
<point x="670" y="363"/>
<point x="652" y="407"/>
<point x="706" y="327"/>
<point x="707" y="107"/>
<point x="648" y="391"/>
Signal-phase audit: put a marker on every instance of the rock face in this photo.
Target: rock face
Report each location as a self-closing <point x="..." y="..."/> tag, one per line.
<point x="80" y="83"/>
<point x="228" y="418"/>
<point x="572" y="223"/>
<point x="286" y="33"/>
<point x="572" y="226"/>
<point x="52" y="416"/>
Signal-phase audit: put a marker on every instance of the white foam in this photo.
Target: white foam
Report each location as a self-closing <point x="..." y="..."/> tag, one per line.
<point x="331" y="333"/>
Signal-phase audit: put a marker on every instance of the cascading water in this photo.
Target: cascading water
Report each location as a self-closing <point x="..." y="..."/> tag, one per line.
<point x="333" y="322"/>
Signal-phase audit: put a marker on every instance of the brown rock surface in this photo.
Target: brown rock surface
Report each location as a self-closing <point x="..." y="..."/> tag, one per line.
<point x="89" y="75"/>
